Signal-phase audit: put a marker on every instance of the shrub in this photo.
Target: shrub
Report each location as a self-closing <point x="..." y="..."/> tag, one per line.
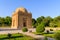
<point x="24" y="29"/>
<point x="51" y="29"/>
<point x="40" y="28"/>
<point x="9" y="35"/>
<point x="34" y="26"/>
<point x="57" y="36"/>
<point x="47" y="31"/>
<point x="55" y="25"/>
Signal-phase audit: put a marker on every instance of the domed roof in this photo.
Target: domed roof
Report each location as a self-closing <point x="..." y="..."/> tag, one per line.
<point x="21" y="9"/>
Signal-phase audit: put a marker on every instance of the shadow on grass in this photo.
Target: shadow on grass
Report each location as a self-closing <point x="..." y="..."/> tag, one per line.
<point x="13" y="37"/>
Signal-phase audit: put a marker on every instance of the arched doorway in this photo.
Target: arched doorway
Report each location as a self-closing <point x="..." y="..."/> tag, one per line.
<point x="24" y="22"/>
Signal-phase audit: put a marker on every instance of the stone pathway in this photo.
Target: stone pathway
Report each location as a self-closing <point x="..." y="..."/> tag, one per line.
<point x="34" y="36"/>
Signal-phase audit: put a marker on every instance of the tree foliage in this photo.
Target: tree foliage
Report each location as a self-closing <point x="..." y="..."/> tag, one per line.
<point x="40" y="19"/>
<point x="5" y="21"/>
<point x="40" y="28"/>
<point x="33" y="21"/>
<point x="49" y="21"/>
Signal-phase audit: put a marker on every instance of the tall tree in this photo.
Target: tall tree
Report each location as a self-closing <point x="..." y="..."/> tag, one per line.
<point x="8" y="20"/>
<point x="34" y="23"/>
<point x="0" y="21"/>
<point x="47" y="20"/>
<point x="40" y="19"/>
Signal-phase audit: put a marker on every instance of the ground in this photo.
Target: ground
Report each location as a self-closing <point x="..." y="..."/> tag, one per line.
<point x="8" y="30"/>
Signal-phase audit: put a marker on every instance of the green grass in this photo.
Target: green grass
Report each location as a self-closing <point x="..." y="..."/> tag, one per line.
<point x="45" y="34"/>
<point x="16" y="37"/>
<point x="49" y="35"/>
<point x="57" y="31"/>
<point x="37" y="33"/>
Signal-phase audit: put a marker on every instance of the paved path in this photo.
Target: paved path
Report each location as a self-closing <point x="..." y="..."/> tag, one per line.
<point x="34" y="36"/>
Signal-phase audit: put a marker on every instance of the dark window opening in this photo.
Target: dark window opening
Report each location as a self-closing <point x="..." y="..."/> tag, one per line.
<point x="24" y="24"/>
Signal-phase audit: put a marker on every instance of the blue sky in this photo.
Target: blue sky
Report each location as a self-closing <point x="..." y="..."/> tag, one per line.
<point x="37" y="7"/>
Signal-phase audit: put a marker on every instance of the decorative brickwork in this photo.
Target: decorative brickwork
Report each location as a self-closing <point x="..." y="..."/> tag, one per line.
<point x="21" y="18"/>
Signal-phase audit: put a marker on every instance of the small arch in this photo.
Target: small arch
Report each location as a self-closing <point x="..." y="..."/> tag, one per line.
<point x="24" y="24"/>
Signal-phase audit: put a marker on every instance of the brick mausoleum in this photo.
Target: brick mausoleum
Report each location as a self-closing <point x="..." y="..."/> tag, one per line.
<point x="21" y="18"/>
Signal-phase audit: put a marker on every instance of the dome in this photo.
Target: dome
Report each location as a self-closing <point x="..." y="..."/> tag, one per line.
<point x="21" y="9"/>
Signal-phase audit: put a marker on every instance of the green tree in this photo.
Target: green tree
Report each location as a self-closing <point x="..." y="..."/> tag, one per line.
<point x="40" y="19"/>
<point x="40" y="28"/>
<point x="46" y="22"/>
<point x="58" y="18"/>
<point x="33" y="21"/>
<point x="8" y="20"/>
<point x="3" y="21"/>
<point x="49" y="18"/>
<point x="0" y="21"/>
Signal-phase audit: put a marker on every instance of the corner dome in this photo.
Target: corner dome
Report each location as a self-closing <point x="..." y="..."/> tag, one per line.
<point x="21" y="9"/>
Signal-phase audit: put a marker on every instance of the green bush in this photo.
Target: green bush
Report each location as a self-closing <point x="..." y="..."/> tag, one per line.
<point x="34" y="26"/>
<point x="9" y="35"/>
<point x="57" y="35"/>
<point x="47" y="31"/>
<point x="40" y="28"/>
<point x="51" y="29"/>
<point x="24" y="29"/>
<point x="55" y="25"/>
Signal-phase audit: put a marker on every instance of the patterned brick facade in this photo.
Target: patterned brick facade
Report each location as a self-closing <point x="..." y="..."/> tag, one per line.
<point x="21" y="18"/>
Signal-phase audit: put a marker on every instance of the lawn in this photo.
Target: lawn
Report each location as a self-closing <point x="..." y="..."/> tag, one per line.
<point x="16" y="36"/>
<point x="51" y="35"/>
<point x="45" y="34"/>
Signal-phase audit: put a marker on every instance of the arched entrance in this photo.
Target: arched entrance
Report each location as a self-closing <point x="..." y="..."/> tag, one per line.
<point x="24" y="22"/>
